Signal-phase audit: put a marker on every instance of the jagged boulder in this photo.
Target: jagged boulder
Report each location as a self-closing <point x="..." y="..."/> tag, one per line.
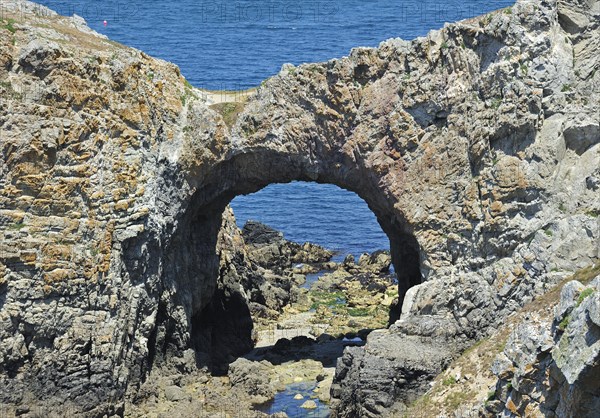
<point x="269" y="249"/>
<point x="253" y="378"/>
<point x="377" y="262"/>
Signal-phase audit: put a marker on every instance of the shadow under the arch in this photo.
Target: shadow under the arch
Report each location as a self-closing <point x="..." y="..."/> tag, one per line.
<point x="325" y="349"/>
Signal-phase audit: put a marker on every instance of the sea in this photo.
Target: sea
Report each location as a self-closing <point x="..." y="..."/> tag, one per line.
<point x="235" y="44"/>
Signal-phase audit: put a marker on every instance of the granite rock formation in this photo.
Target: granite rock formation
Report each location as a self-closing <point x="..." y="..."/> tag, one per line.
<point x="476" y="147"/>
<point x="551" y="365"/>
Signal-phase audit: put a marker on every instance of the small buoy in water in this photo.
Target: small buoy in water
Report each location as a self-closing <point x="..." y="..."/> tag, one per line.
<point x="105" y="22"/>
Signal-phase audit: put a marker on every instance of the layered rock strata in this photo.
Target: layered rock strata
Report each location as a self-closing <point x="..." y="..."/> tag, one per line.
<point x="476" y="147"/>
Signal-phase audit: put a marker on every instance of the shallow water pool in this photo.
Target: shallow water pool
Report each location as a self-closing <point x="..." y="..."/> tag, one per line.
<point x="285" y="402"/>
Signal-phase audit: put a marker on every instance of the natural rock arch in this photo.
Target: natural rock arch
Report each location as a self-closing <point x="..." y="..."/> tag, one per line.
<point x="394" y="125"/>
<point x="194" y="251"/>
<point x="478" y="140"/>
<point x="249" y="172"/>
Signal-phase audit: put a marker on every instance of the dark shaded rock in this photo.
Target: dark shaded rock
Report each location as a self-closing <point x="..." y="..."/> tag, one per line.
<point x="256" y="233"/>
<point x="22" y="410"/>
<point x="282" y="345"/>
<point x="390" y="368"/>
<point x="581" y="134"/>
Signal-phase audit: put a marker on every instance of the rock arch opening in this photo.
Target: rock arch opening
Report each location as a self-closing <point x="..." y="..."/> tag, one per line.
<point x="313" y="246"/>
<point x="322" y="214"/>
<point x="201" y="273"/>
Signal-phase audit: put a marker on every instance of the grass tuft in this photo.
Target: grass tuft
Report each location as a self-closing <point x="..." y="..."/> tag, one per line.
<point x="524" y="69"/>
<point x="8" y="24"/>
<point x="17" y="226"/>
<point x="229" y="111"/>
<point x="564" y="323"/>
<point x="449" y="381"/>
<point x="496" y="102"/>
<point x="586" y="293"/>
<point x="594" y="213"/>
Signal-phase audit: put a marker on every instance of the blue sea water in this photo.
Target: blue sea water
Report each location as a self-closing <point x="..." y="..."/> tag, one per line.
<point x="321" y="213"/>
<point x="284" y="402"/>
<point x="230" y="44"/>
<point x="235" y="44"/>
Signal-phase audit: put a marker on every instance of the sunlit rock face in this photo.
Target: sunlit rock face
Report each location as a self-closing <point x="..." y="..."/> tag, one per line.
<point x="476" y="147"/>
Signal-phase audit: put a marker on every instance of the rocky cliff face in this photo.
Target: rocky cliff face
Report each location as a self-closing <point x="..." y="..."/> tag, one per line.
<point x="477" y="148"/>
<point x="550" y="364"/>
<point x="513" y="250"/>
<point x="255" y="281"/>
